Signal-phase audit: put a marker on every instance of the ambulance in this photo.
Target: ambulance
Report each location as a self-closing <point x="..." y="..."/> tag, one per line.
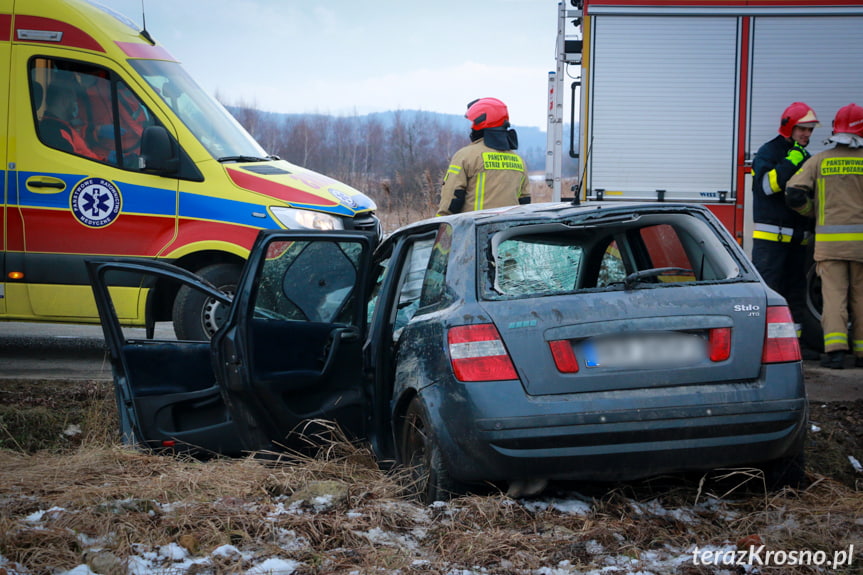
<point x="110" y="148"/>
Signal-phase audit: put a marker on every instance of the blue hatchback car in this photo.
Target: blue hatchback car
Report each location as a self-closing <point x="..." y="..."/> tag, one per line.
<point x="606" y="341"/>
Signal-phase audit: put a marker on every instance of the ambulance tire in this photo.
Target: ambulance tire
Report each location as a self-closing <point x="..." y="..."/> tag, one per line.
<point x="196" y="317"/>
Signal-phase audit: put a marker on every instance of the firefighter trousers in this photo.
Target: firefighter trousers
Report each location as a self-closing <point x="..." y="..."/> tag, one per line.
<point x="783" y="267"/>
<point x="841" y="289"/>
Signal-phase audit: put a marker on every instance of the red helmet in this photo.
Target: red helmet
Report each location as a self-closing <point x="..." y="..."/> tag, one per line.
<point x="849" y="120"/>
<point x="797" y="114"/>
<point x="487" y="113"/>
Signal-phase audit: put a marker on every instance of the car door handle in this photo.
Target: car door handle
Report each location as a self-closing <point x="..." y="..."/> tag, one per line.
<point x="337" y="337"/>
<point x="42" y="182"/>
<point x="349" y="335"/>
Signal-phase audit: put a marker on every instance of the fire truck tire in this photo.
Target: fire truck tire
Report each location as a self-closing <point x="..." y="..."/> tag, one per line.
<point x="813" y="335"/>
<point x="196" y="317"/>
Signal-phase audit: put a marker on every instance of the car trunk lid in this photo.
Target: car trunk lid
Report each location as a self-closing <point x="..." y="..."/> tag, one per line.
<point x="631" y="339"/>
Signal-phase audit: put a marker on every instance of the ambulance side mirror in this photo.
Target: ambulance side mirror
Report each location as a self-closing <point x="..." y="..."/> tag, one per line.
<point x="158" y="152"/>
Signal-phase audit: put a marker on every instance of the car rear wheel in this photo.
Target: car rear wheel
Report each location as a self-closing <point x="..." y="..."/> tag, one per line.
<point x="419" y="451"/>
<point x="788" y="471"/>
<point x="197" y="317"/>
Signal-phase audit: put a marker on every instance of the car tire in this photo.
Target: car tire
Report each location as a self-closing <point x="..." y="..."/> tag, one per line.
<point x="787" y="471"/>
<point x="420" y="452"/>
<point x="197" y="317"/>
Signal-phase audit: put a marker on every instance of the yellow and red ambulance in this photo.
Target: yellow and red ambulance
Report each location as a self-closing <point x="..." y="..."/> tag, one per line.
<point x="110" y="148"/>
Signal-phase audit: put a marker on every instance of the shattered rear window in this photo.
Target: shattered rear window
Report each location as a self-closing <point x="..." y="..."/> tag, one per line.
<point x="639" y="251"/>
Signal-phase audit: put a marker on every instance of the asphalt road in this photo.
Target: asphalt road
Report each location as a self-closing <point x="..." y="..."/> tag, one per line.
<point x="56" y="351"/>
<point x="77" y="352"/>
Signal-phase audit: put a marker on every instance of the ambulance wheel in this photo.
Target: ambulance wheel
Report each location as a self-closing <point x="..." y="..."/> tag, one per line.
<point x="197" y="317"/>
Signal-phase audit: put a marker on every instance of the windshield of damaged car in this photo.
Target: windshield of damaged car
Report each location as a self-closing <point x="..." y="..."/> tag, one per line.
<point x="309" y="281"/>
<point x="555" y="258"/>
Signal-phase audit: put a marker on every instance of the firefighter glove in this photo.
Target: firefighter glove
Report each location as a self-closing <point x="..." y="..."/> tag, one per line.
<point x="456" y="204"/>
<point x="797" y="154"/>
<point x="798" y="200"/>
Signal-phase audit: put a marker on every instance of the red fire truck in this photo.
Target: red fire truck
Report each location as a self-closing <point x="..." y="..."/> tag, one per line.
<point x="673" y="98"/>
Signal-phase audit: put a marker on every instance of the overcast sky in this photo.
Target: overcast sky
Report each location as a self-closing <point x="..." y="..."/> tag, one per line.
<point x="343" y="57"/>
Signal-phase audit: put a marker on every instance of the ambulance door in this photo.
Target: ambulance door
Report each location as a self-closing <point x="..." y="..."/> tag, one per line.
<point x="77" y="188"/>
<point x="5" y="51"/>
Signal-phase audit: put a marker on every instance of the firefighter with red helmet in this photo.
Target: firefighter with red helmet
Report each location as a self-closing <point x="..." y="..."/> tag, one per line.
<point x="486" y="173"/>
<point x="780" y="234"/>
<point x="829" y="189"/>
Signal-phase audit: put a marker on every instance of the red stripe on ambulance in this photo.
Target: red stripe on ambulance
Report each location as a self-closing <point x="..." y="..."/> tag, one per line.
<point x="5" y="27"/>
<point x="121" y="237"/>
<point x="277" y="190"/>
<point x="138" y="50"/>
<point x="73" y="37"/>
<point x="195" y="231"/>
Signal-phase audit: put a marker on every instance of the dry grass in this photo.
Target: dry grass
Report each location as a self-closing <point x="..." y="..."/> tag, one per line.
<point x="339" y="512"/>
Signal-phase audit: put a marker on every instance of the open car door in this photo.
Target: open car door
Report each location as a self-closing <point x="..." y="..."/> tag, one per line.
<point x="166" y="390"/>
<point x="288" y="355"/>
<point x="291" y="351"/>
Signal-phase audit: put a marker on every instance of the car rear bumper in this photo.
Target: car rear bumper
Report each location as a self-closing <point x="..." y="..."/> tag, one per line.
<point x="499" y="433"/>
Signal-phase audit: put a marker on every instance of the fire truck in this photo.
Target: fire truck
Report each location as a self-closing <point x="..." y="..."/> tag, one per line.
<point x="670" y="100"/>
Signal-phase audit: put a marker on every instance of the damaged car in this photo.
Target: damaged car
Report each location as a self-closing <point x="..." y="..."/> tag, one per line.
<point x="597" y="342"/>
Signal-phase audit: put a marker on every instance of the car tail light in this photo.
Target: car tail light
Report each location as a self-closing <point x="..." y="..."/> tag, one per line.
<point x="719" y="341"/>
<point x="564" y="357"/>
<point x="478" y="354"/>
<point x="780" y="340"/>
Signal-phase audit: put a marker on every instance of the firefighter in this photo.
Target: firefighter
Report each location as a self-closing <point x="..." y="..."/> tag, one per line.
<point x="485" y="173"/>
<point x="829" y="189"/>
<point x="781" y="235"/>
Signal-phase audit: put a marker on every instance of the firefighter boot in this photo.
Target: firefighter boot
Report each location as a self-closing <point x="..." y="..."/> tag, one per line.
<point x="834" y="359"/>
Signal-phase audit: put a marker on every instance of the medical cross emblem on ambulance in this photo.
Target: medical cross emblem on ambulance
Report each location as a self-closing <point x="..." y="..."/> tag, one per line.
<point x="95" y="202"/>
<point x="344" y="198"/>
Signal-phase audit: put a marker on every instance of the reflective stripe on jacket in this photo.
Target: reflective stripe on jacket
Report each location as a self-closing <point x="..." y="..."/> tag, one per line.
<point x="771" y="171"/>
<point x="777" y="234"/>
<point x="834" y="179"/>
<point x="491" y="178"/>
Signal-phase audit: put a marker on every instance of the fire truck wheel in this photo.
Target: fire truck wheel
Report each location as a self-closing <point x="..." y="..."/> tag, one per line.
<point x="196" y="317"/>
<point x="813" y="335"/>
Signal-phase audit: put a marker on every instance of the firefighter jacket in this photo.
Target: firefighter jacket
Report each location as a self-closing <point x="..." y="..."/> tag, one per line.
<point x="480" y="177"/>
<point x="830" y="189"/>
<point x="773" y="166"/>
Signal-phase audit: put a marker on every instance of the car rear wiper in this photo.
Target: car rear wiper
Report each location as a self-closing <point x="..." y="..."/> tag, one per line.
<point x="633" y="278"/>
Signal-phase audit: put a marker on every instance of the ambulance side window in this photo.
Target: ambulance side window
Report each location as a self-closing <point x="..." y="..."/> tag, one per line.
<point x="88" y="111"/>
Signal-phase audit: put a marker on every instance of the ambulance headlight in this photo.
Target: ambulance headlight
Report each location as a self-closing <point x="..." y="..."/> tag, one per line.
<point x="298" y="219"/>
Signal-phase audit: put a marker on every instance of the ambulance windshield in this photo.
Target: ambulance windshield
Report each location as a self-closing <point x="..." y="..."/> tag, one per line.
<point x="206" y="118"/>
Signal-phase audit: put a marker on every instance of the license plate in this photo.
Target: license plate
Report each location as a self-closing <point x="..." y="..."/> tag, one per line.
<point x="654" y="350"/>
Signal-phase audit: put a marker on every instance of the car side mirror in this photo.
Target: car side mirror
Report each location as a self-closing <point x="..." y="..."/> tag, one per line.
<point x="158" y="151"/>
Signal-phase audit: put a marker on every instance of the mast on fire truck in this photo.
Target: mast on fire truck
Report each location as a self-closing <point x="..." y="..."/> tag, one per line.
<point x="566" y="52"/>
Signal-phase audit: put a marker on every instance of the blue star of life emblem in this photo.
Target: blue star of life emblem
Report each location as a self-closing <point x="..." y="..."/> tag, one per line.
<point x="95" y="202"/>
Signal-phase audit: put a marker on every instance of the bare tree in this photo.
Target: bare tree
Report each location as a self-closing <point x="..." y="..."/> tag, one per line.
<point x="398" y="159"/>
